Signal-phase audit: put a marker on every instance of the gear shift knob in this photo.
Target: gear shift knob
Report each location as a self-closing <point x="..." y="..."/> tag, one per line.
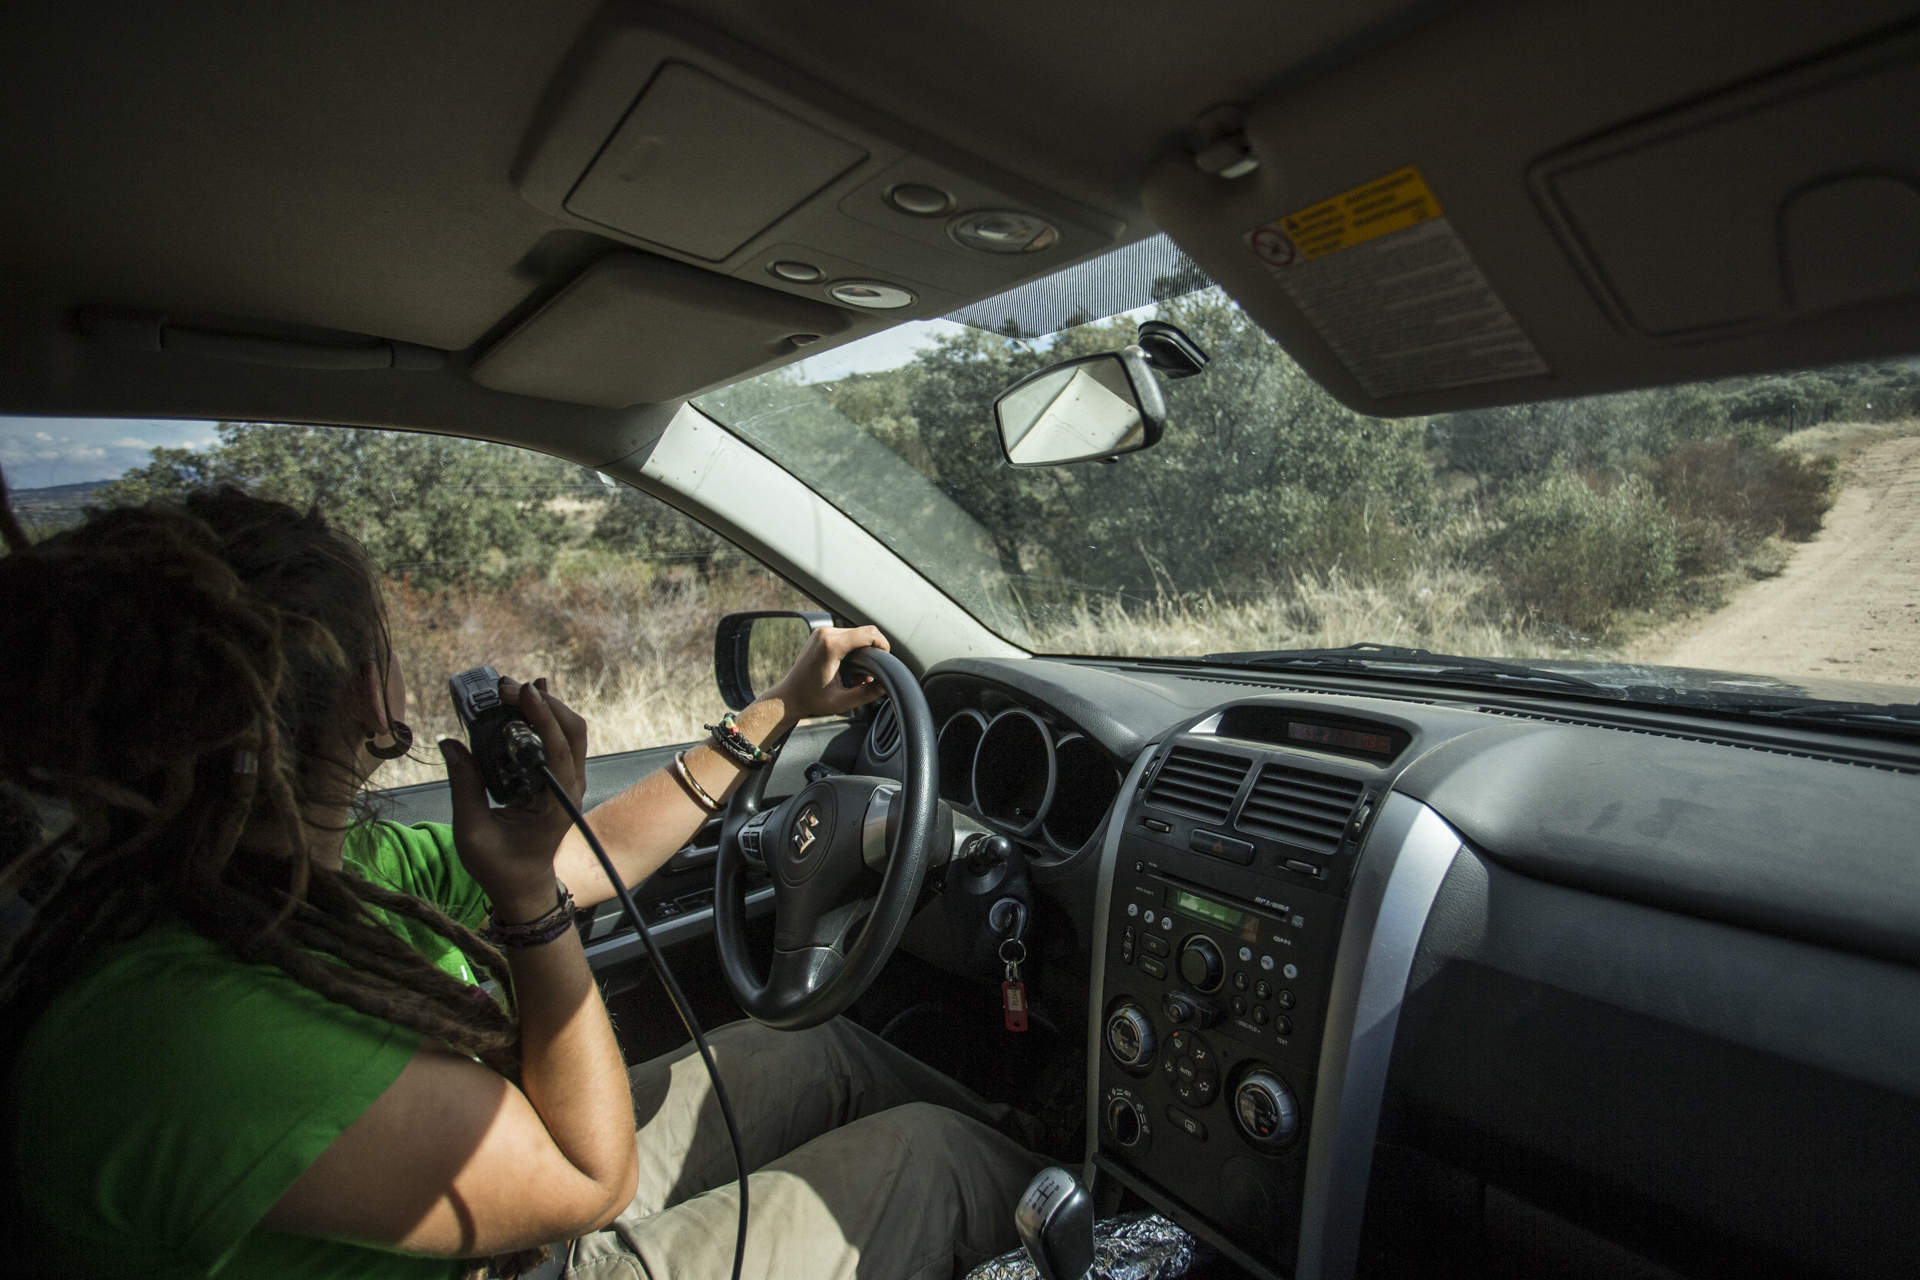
<point x="1055" y="1222"/>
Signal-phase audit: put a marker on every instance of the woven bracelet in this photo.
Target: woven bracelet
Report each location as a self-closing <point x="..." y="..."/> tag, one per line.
<point x="738" y="747"/>
<point x="535" y="933"/>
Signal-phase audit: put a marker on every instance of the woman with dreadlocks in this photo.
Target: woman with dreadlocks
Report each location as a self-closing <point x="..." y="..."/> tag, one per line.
<point x="244" y="1032"/>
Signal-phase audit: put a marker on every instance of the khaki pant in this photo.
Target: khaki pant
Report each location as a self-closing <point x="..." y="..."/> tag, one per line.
<point x="866" y="1163"/>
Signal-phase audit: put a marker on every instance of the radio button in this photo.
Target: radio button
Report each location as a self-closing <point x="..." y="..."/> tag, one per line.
<point x="1152" y="968"/>
<point x="1260" y="1015"/>
<point x="1239" y="1006"/>
<point x="1240" y="980"/>
<point x="1286" y="999"/>
<point x="1263" y="990"/>
<point x="1159" y="946"/>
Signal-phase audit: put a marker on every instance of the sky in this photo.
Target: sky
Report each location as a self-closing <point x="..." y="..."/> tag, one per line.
<point x="888" y="349"/>
<point x="38" y="452"/>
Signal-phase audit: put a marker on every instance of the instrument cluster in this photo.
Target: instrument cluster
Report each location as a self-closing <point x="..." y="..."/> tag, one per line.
<point x="1026" y="778"/>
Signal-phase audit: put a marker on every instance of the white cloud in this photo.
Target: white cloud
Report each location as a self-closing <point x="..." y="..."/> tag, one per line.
<point x="38" y="452"/>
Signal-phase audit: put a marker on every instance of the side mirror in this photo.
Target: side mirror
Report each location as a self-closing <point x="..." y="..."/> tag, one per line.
<point x="751" y="651"/>
<point x="1081" y="410"/>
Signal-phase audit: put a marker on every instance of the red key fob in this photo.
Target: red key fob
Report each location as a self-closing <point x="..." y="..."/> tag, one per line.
<point x="1013" y="995"/>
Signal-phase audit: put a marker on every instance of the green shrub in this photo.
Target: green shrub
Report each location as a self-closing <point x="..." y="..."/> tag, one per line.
<point x="1751" y="492"/>
<point x="1571" y="555"/>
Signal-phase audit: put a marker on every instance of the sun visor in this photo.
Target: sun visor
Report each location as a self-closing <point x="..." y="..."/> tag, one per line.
<point x="1796" y="196"/>
<point x="636" y="329"/>
<point x="1471" y="216"/>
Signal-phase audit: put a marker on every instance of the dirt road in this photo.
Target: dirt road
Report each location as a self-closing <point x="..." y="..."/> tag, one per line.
<point x="1848" y="605"/>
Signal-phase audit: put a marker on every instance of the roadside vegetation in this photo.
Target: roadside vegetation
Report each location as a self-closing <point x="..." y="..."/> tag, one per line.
<point x="1269" y="517"/>
<point x="513" y="559"/>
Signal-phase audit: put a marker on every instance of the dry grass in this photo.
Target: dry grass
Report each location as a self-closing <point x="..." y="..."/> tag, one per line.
<point x="631" y="647"/>
<point x="1443" y="609"/>
<point x="627" y="644"/>
<point x="1844" y="441"/>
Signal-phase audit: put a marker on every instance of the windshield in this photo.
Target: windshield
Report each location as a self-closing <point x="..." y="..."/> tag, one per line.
<point x="1754" y="527"/>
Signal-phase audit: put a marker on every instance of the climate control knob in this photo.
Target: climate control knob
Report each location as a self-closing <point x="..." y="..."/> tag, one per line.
<point x="1201" y="964"/>
<point x="1127" y="1121"/>
<point x="1130" y="1035"/>
<point x="1264" y="1110"/>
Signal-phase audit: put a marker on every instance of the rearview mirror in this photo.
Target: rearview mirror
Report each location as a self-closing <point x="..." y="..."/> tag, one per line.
<point x="1081" y="410"/>
<point x="751" y="651"/>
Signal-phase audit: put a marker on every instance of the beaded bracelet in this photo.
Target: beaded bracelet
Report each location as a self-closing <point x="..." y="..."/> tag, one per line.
<point x="535" y="933"/>
<point x="691" y="785"/>
<point x="738" y="747"/>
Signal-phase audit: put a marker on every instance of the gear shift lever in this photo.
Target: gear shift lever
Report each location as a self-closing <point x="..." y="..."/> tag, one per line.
<point x="1055" y="1222"/>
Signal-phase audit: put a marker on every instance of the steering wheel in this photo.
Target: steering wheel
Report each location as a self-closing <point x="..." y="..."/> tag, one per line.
<point x="825" y="847"/>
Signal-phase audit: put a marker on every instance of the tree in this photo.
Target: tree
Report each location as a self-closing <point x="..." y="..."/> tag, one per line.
<point x="1260" y="475"/>
<point x="643" y="525"/>
<point x="435" y="509"/>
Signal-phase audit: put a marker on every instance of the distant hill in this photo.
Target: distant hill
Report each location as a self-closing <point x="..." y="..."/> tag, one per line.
<point x="54" y="506"/>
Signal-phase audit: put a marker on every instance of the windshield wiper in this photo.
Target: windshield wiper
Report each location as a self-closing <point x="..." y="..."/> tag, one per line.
<point x="1369" y="658"/>
<point x="1383" y="659"/>
<point x="1898" y="715"/>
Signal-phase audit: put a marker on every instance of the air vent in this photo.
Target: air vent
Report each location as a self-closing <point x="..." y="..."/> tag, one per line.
<point x="1199" y="784"/>
<point x="1299" y="807"/>
<point x="885" y="738"/>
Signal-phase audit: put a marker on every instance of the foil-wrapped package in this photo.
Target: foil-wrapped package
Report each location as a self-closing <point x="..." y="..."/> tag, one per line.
<point x="1133" y="1246"/>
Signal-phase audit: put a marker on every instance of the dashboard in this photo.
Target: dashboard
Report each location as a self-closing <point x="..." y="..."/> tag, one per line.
<point x="1406" y="979"/>
<point x="1471" y="984"/>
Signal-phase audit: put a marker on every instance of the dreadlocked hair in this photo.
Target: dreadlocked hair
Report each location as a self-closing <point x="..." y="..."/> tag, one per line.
<point x="151" y="648"/>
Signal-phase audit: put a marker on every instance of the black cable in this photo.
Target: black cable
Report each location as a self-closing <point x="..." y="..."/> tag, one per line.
<point x="674" y="994"/>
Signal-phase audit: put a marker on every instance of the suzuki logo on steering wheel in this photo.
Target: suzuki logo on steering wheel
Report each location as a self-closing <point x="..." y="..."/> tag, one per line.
<point x="806" y="829"/>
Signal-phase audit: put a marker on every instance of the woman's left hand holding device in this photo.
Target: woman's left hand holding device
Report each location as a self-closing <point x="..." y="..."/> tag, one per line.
<point x="509" y="850"/>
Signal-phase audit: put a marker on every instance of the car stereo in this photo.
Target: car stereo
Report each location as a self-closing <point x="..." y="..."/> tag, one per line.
<point x="1223" y="916"/>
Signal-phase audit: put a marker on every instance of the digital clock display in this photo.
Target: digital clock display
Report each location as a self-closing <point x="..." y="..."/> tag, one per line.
<point x="1375" y="744"/>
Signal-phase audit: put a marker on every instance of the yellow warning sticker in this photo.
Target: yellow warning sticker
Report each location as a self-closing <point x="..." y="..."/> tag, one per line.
<point x="1393" y="203"/>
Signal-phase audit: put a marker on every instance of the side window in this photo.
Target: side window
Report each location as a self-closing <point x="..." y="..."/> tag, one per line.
<point x="502" y="556"/>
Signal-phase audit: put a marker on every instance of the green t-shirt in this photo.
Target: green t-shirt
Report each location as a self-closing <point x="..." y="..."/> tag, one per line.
<point x="170" y="1096"/>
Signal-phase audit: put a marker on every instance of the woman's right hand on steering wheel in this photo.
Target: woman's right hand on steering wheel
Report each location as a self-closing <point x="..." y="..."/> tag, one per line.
<point x="509" y="851"/>
<point x="813" y="687"/>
